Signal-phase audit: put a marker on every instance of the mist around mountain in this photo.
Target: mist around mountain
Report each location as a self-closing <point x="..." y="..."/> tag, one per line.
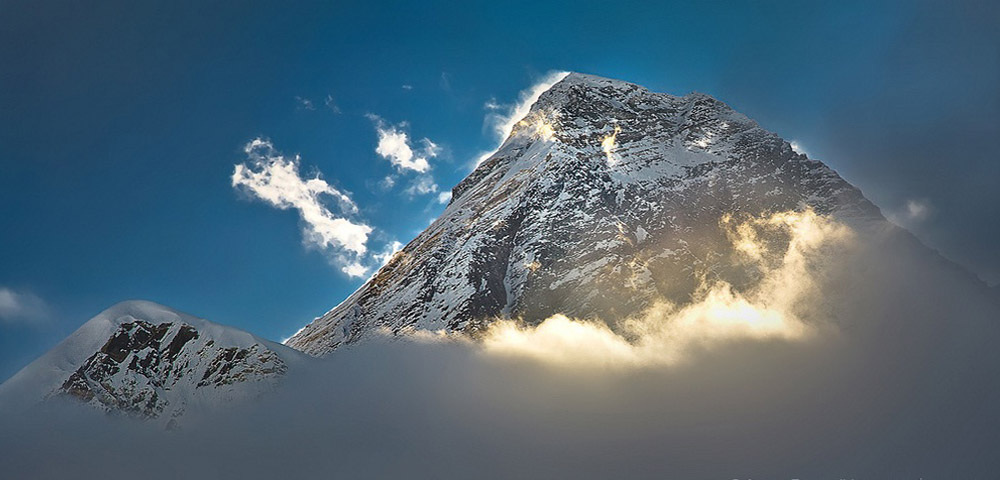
<point x="815" y="340"/>
<point x="904" y="389"/>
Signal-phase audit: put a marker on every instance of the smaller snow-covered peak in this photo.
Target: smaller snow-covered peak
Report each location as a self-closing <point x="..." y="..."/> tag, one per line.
<point x="148" y="360"/>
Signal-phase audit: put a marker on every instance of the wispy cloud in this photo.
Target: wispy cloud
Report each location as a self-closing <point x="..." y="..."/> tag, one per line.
<point x="22" y="308"/>
<point x="503" y="118"/>
<point x="917" y="209"/>
<point x="445" y="81"/>
<point x="387" y="253"/>
<point x="304" y="103"/>
<point x="423" y="185"/>
<point x="798" y="148"/>
<point x="444" y="197"/>
<point x="429" y="149"/>
<point x="913" y="212"/>
<point x="331" y="104"/>
<point x="275" y="179"/>
<point x="387" y="183"/>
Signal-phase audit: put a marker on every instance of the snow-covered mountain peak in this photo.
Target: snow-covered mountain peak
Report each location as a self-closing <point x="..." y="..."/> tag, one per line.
<point x="605" y="197"/>
<point x="640" y="135"/>
<point x="147" y="360"/>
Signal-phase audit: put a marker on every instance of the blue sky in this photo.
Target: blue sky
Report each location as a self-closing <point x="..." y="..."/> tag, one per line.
<point x="121" y="125"/>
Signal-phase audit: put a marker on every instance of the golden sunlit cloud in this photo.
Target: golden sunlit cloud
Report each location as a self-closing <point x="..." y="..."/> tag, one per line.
<point x="541" y="125"/>
<point x="666" y="334"/>
<point x="608" y="145"/>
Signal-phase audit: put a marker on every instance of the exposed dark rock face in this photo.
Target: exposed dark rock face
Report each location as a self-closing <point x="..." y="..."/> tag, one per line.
<point x="554" y="222"/>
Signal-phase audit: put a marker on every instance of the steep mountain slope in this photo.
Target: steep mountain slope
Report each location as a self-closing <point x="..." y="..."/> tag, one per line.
<point x="605" y="197"/>
<point x="146" y="360"/>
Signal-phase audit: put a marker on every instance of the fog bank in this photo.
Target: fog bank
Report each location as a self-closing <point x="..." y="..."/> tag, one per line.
<point x="904" y="386"/>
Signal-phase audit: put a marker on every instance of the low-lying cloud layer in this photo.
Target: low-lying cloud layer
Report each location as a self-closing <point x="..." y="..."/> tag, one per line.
<point x="666" y="334"/>
<point x="859" y="355"/>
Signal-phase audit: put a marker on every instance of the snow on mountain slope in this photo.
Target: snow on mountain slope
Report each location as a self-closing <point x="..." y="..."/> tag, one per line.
<point x="604" y="198"/>
<point x="149" y="361"/>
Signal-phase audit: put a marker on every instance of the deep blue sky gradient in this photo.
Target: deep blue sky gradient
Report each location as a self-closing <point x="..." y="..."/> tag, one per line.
<point x="120" y="124"/>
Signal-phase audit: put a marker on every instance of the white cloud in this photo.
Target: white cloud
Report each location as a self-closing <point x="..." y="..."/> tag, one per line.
<point x="387" y="253"/>
<point x="387" y="182"/>
<point x="917" y="209"/>
<point x="355" y="270"/>
<point x="21" y="307"/>
<point x="798" y="148"/>
<point x="430" y="149"/>
<point x="503" y="123"/>
<point x="444" y="197"/>
<point x="407" y="87"/>
<point x="394" y="145"/>
<point x="305" y="103"/>
<point x="423" y="185"/>
<point x="445" y="81"/>
<point x="331" y="104"/>
<point x="911" y="213"/>
<point x="274" y="178"/>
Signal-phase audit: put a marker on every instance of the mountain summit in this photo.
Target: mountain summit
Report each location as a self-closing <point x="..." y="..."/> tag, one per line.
<point x="604" y="197"/>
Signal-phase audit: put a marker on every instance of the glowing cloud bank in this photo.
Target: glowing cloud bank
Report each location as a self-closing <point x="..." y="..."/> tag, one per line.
<point x="665" y="333"/>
